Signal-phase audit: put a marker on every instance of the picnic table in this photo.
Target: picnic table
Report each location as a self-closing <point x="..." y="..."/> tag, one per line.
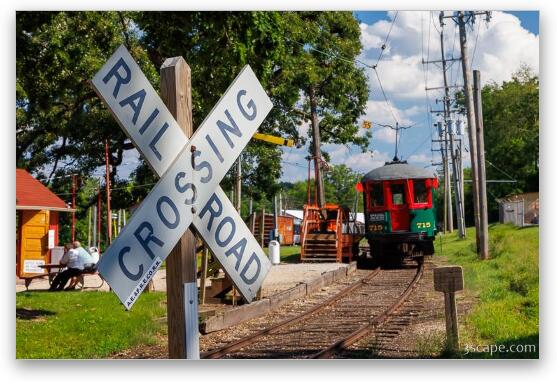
<point x="79" y="279"/>
<point x="50" y="267"/>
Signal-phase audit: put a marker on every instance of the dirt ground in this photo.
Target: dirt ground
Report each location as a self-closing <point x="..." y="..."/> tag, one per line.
<point x="423" y="337"/>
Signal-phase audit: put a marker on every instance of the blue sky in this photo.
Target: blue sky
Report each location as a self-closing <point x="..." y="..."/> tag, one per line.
<point x="498" y="49"/>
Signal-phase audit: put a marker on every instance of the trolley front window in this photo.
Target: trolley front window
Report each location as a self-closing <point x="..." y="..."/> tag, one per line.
<point x="420" y="192"/>
<point x="397" y="192"/>
<point x="376" y="195"/>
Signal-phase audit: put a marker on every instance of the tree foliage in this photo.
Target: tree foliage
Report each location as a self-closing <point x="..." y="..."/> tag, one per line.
<point x="340" y="182"/>
<point x="61" y="124"/>
<point x="323" y="49"/>
<point x="511" y="128"/>
<point x="511" y="140"/>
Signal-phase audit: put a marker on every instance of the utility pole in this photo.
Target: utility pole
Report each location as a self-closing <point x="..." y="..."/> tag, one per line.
<point x="238" y="185"/>
<point x="73" y="205"/>
<point x="319" y="186"/>
<point x="447" y="182"/>
<point x="484" y="235"/>
<point x="471" y="122"/>
<point x="99" y="218"/>
<point x="445" y="170"/>
<point x="276" y="229"/>
<point x="449" y="133"/>
<point x="108" y="212"/>
<point x="89" y="227"/>
<point x="95" y="243"/>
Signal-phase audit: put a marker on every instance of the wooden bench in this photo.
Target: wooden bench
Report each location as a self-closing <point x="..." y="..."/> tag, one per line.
<point x="29" y="279"/>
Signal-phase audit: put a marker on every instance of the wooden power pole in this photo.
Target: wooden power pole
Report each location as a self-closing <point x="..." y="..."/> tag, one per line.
<point x="449" y="138"/>
<point x="108" y="211"/>
<point x="319" y="186"/>
<point x="484" y="236"/>
<point x="238" y="185"/>
<point x="471" y="122"/>
<point x="181" y="264"/>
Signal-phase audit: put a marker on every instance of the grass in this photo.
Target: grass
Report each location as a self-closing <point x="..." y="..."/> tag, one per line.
<point x="505" y="289"/>
<point x="66" y="325"/>
<point x="78" y="325"/>
<point x="288" y="254"/>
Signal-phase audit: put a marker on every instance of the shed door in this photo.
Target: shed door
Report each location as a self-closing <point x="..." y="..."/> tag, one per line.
<point x="34" y="242"/>
<point x="400" y="219"/>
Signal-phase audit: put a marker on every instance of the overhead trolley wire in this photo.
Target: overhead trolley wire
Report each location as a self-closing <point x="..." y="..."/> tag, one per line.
<point x="384" y="46"/>
<point x="374" y="67"/>
<point x="475" y="44"/>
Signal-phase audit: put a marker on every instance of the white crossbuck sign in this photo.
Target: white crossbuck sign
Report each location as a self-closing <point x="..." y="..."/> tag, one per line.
<point x="188" y="191"/>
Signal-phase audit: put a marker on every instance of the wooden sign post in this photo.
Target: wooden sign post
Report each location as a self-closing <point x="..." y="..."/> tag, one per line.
<point x="449" y="280"/>
<point x="188" y="191"/>
<point x="181" y="264"/>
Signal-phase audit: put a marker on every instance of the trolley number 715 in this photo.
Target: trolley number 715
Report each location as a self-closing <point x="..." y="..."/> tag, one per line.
<point x="423" y="225"/>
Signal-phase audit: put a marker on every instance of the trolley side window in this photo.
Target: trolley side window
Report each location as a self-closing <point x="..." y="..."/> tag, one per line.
<point x="397" y="192"/>
<point x="420" y="192"/>
<point x="376" y="195"/>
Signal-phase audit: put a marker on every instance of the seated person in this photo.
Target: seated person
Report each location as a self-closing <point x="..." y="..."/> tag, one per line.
<point x="74" y="267"/>
<point x="94" y="254"/>
<point x="89" y="264"/>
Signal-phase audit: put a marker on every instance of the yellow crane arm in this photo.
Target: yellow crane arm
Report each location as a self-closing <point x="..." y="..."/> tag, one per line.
<point x="274" y="140"/>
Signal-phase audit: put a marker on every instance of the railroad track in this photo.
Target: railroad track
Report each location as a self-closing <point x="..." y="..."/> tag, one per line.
<point x="333" y="325"/>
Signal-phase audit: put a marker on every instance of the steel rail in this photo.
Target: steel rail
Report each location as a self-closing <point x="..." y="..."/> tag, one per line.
<point x="374" y="323"/>
<point x="242" y="342"/>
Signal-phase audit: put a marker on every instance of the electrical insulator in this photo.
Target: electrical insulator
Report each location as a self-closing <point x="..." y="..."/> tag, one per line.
<point x="459" y="126"/>
<point x="451" y="126"/>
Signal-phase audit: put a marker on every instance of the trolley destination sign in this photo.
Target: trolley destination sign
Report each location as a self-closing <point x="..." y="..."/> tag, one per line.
<point x="188" y="191"/>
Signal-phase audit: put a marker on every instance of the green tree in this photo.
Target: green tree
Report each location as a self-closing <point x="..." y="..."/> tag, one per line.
<point x="325" y="46"/>
<point x="511" y="139"/>
<point x="340" y="182"/>
<point x="511" y="128"/>
<point x="61" y="124"/>
<point x="280" y="48"/>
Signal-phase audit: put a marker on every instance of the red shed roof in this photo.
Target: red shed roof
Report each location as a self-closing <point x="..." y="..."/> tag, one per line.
<point x="30" y="194"/>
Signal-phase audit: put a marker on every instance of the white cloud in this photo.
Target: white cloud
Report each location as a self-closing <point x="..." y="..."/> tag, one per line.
<point x="421" y="158"/>
<point x="380" y="112"/>
<point x="365" y="162"/>
<point x="500" y="50"/>
<point x="385" y="134"/>
<point x="502" y="47"/>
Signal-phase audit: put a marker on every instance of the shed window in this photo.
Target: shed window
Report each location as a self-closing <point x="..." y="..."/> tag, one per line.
<point x="397" y="191"/>
<point x="420" y="191"/>
<point x="376" y="195"/>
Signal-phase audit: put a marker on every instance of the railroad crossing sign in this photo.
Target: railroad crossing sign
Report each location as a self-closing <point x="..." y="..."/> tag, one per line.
<point x="188" y="191"/>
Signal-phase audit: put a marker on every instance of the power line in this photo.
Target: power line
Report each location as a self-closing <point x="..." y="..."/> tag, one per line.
<point x="433" y="22"/>
<point x="421" y="144"/>
<point x="385" y="95"/>
<point x="330" y="54"/>
<point x="475" y="44"/>
<point x="425" y="68"/>
<point x="384" y="46"/>
<point x="501" y="171"/>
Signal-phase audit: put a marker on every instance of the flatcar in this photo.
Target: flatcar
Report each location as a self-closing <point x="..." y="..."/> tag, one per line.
<point x="399" y="212"/>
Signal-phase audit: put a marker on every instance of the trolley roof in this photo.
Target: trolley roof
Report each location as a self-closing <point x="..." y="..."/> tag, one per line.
<point x="398" y="170"/>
